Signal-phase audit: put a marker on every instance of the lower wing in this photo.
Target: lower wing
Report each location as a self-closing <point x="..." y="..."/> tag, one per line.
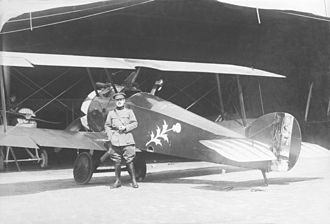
<point x="17" y="136"/>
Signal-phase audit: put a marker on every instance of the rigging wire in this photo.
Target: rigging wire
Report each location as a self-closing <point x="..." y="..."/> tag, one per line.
<point x="181" y="90"/>
<point x="55" y="98"/>
<point x="42" y="87"/>
<point x="190" y="96"/>
<point x="204" y="95"/>
<point x="49" y="94"/>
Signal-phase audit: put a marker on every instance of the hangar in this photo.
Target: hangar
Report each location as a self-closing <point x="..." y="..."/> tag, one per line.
<point x="281" y="41"/>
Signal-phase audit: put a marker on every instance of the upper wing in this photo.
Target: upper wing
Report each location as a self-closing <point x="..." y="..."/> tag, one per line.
<point x="62" y="60"/>
<point x="30" y="59"/>
<point x="17" y="136"/>
<point x="181" y="66"/>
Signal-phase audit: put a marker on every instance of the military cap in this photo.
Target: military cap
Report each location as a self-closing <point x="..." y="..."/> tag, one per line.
<point x="118" y="96"/>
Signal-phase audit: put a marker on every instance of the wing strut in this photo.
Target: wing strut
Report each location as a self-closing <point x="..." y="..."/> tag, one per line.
<point x="109" y="77"/>
<point x="3" y="99"/>
<point x="241" y="101"/>
<point x="92" y="81"/>
<point x="133" y="76"/>
<point x="328" y="110"/>
<point x="222" y="109"/>
<point x="308" y="101"/>
<point x="265" y="177"/>
<point x="261" y="100"/>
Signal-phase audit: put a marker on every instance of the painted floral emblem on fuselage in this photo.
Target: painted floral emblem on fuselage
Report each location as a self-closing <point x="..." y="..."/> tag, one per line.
<point x="162" y="133"/>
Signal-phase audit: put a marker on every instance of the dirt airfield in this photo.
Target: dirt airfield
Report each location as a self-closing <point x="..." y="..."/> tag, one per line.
<point x="193" y="192"/>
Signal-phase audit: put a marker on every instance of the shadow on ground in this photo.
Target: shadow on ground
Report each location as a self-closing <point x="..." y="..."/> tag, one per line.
<point x="179" y="177"/>
<point x="167" y="177"/>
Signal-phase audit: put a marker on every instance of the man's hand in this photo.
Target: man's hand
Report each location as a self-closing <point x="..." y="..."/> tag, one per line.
<point x="122" y="128"/>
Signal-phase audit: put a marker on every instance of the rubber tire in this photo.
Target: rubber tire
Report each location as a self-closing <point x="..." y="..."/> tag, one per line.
<point x="140" y="166"/>
<point x="83" y="168"/>
<point x="44" y="159"/>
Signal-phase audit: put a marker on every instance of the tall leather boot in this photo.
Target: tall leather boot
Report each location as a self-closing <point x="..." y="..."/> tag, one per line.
<point x="117" y="173"/>
<point x="130" y="168"/>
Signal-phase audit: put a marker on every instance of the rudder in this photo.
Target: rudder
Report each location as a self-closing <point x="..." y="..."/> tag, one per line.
<point x="281" y="131"/>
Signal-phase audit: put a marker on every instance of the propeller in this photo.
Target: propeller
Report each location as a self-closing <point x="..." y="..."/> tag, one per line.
<point x="75" y="125"/>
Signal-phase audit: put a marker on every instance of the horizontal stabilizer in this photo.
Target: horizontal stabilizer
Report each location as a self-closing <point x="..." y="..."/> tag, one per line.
<point x="240" y="150"/>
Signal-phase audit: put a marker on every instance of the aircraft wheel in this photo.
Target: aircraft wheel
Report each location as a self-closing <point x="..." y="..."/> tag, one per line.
<point x="140" y="167"/>
<point x="44" y="159"/>
<point x="83" y="168"/>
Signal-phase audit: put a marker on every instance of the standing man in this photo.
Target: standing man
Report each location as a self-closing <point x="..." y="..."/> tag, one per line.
<point x="118" y="126"/>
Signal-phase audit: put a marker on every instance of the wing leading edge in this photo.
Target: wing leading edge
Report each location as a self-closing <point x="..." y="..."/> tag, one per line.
<point x="30" y="59"/>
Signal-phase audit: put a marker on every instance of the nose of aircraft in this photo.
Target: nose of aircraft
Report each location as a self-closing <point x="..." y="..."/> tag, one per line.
<point x="96" y="109"/>
<point x="84" y="108"/>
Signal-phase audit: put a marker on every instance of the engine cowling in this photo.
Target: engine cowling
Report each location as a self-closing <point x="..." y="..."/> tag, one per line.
<point x="96" y="109"/>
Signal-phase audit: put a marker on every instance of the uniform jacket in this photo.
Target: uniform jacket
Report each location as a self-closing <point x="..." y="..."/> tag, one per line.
<point x="118" y="118"/>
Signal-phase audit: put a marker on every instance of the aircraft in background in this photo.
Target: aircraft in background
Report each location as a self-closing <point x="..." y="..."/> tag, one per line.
<point x="270" y="143"/>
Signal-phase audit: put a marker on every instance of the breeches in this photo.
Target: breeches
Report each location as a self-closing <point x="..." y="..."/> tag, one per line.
<point x="118" y="152"/>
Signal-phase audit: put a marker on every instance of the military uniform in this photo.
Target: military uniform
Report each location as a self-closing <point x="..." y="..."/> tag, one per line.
<point x="118" y="126"/>
<point x="122" y="141"/>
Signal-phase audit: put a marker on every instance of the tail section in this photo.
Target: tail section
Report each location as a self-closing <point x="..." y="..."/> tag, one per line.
<point x="281" y="131"/>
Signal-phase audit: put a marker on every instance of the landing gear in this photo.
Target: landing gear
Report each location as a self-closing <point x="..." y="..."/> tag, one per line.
<point x="265" y="177"/>
<point x="86" y="164"/>
<point x="8" y="155"/>
<point x="140" y="166"/>
<point x="43" y="159"/>
<point x="83" y="168"/>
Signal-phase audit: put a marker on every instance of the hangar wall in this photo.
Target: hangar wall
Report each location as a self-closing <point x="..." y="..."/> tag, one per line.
<point x="207" y="31"/>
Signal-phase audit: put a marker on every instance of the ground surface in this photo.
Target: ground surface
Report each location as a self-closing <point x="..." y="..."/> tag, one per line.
<point x="193" y="192"/>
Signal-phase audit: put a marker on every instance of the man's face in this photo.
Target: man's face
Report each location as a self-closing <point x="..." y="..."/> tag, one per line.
<point x="120" y="102"/>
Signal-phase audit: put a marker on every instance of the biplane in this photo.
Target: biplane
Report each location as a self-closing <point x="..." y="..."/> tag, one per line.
<point x="270" y="143"/>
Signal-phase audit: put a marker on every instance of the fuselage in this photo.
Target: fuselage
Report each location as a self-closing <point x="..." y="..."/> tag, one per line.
<point x="169" y="129"/>
<point x="164" y="127"/>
